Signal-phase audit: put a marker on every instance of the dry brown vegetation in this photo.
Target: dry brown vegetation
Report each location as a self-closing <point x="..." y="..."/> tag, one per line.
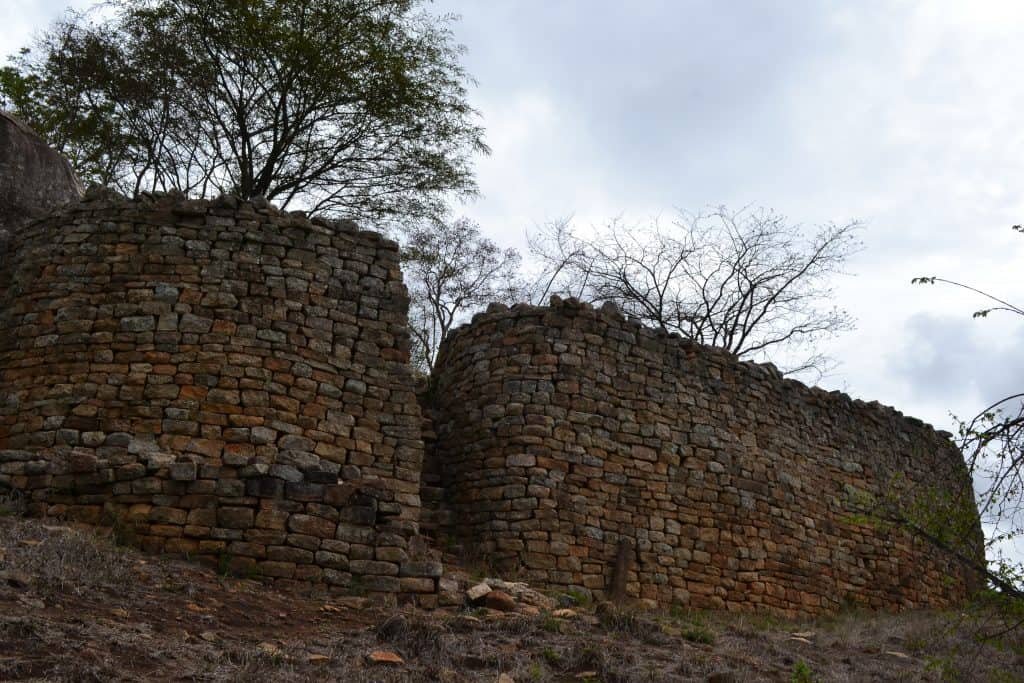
<point x="76" y="607"/>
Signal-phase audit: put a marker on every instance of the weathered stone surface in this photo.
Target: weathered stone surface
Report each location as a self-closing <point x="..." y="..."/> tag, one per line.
<point x="585" y="452"/>
<point x="33" y="177"/>
<point x="385" y="657"/>
<point x="210" y="371"/>
<point x="474" y="593"/>
<point x="183" y="471"/>
<point x="422" y="568"/>
<point x="500" y="600"/>
<point x="312" y="526"/>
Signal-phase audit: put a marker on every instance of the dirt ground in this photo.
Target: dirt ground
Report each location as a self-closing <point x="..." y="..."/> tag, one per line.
<point x="75" y="607"/>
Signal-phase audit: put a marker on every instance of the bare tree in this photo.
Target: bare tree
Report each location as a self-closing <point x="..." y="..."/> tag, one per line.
<point x="993" y="445"/>
<point x="745" y="281"/>
<point x="452" y="271"/>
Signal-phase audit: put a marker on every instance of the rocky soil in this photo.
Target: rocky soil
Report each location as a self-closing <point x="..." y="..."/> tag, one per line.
<point x="76" y="607"/>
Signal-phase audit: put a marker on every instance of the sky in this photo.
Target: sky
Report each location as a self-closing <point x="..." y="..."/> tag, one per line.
<point x="902" y="115"/>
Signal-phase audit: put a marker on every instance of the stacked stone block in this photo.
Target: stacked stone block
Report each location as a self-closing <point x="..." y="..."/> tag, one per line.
<point x="223" y="380"/>
<point x="582" y="450"/>
<point x="436" y="516"/>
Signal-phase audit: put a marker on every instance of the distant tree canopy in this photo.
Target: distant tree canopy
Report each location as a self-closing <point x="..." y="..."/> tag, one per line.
<point x="356" y="107"/>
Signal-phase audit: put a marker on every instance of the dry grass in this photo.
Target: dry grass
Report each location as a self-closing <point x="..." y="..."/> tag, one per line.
<point x="95" y="612"/>
<point x="60" y="559"/>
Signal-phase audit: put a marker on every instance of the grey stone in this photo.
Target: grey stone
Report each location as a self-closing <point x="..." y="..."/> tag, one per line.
<point x="34" y="178"/>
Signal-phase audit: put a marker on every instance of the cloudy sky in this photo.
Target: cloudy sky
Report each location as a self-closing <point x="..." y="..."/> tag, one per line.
<point x="904" y="115"/>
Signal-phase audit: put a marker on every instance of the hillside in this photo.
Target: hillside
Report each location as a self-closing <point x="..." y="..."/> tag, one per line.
<point x="76" y="607"/>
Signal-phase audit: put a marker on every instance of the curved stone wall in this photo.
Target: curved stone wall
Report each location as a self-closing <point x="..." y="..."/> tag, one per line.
<point x="223" y="379"/>
<point x="587" y="451"/>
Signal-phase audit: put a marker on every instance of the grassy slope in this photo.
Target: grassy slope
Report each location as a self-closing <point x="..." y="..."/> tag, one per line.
<point x="74" y="607"/>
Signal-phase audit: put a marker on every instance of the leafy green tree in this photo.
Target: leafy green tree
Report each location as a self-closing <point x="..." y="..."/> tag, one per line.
<point x="356" y="107"/>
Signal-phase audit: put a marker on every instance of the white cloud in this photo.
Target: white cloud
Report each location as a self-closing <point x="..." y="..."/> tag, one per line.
<point x="899" y="114"/>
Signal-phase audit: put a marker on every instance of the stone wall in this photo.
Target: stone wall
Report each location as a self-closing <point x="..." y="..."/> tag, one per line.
<point x="230" y="382"/>
<point x="571" y="441"/>
<point x="222" y="380"/>
<point x="33" y="180"/>
<point x="33" y="177"/>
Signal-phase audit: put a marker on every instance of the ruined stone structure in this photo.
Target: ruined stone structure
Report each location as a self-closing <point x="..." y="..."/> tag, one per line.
<point x="572" y="442"/>
<point x="227" y="381"/>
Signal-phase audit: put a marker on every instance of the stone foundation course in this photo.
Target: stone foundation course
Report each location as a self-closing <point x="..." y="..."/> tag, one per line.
<point x="578" y="449"/>
<point x="222" y="380"/>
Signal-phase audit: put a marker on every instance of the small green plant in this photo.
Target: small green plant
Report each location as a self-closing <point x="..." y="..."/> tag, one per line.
<point x="579" y="597"/>
<point x="698" y="633"/>
<point x="446" y="542"/>
<point x="536" y="672"/>
<point x="915" y="644"/>
<point x="550" y="656"/>
<point x="13" y="503"/>
<point x="122" y="531"/>
<point x="945" y="667"/>
<point x="802" y="673"/>
<point x="765" y="621"/>
<point x="681" y="614"/>
<point x="223" y="562"/>
<point x="692" y="625"/>
<point x="550" y="624"/>
<point x="252" y="572"/>
<point x="479" y="568"/>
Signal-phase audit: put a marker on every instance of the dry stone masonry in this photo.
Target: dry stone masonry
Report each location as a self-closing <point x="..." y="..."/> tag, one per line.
<point x="225" y="380"/>
<point x="585" y="451"/>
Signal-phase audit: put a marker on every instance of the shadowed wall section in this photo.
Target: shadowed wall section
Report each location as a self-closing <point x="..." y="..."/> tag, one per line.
<point x="34" y="179"/>
<point x="571" y="441"/>
<point x="223" y="379"/>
